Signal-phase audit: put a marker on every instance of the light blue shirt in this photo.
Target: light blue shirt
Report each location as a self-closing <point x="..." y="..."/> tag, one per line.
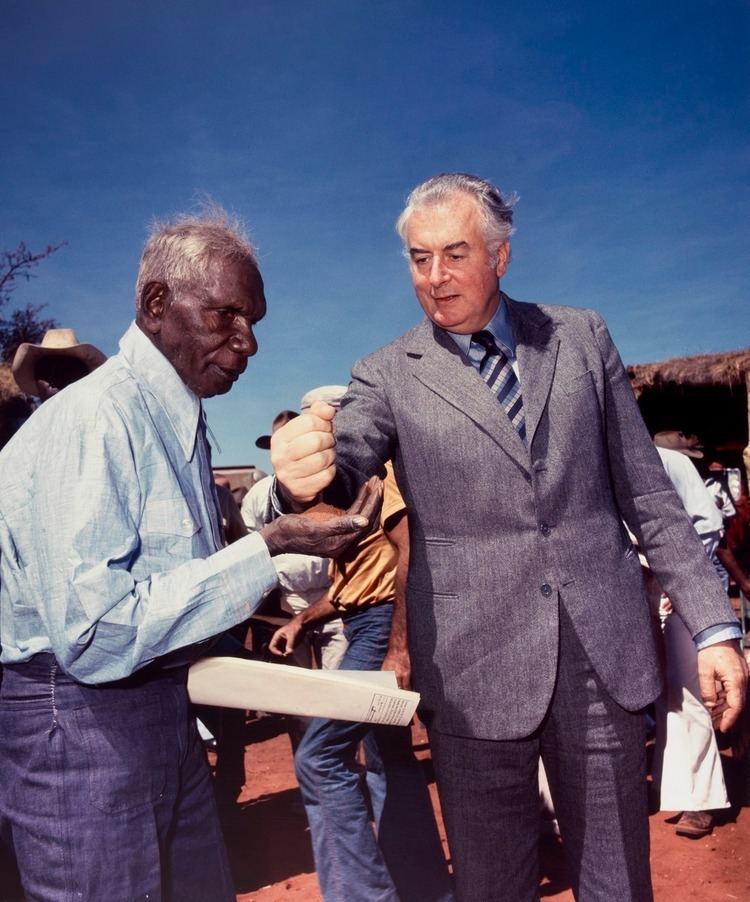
<point x="110" y="543"/>
<point x="502" y="332"/>
<point x="696" y="499"/>
<point x="707" y="520"/>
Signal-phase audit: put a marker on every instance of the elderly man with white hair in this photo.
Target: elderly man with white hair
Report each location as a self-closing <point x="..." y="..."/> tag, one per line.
<point x="519" y="449"/>
<point x="111" y="568"/>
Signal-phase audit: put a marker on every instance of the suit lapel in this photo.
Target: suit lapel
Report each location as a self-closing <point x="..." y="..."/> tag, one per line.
<point x="440" y="366"/>
<point x="536" y="352"/>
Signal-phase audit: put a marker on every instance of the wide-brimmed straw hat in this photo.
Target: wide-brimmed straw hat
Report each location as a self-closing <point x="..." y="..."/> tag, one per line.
<point x="57" y="342"/>
<point x="281" y="419"/>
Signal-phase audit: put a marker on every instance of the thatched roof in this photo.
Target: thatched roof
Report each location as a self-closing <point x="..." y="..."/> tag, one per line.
<point x="727" y="368"/>
<point x="8" y="387"/>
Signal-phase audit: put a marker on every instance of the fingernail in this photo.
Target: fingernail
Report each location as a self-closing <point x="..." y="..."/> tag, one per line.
<point x="359" y="521"/>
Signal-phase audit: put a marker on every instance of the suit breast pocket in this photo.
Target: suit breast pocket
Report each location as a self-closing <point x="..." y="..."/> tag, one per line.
<point x="575" y="401"/>
<point x="579" y="383"/>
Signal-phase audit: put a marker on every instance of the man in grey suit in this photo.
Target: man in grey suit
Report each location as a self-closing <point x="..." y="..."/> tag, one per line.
<point x="520" y="451"/>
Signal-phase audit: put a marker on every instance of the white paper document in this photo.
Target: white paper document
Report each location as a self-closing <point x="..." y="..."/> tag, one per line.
<point x="361" y="696"/>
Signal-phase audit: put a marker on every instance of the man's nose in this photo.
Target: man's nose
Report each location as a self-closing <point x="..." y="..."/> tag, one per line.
<point x="438" y="272"/>
<point x="243" y="339"/>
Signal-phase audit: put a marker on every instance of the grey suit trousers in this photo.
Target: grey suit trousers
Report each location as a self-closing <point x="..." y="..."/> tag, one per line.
<point x="594" y="754"/>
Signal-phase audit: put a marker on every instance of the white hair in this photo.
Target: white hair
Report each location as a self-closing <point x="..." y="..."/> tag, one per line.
<point x="496" y="211"/>
<point x="179" y="253"/>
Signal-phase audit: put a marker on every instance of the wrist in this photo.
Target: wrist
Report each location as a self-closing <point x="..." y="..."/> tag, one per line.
<point x="270" y="535"/>
<point x="290" y="504"/>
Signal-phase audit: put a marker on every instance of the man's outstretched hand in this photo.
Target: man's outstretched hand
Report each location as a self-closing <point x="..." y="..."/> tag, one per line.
<point x="326" y="536"/>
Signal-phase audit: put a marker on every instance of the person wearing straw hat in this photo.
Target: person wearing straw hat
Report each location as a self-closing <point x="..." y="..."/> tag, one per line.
<point x="41" y="370"/>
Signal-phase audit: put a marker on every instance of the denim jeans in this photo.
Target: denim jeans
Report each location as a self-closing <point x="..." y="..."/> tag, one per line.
<point x="104" y="790"/>
<point x="402" y="859"/>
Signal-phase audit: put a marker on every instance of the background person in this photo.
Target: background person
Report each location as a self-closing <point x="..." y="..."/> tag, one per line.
<point x="687" y="765"/>
<point x="303" y="579"/>
<point x="41" y="370"/>
<point x="402" y="857"/>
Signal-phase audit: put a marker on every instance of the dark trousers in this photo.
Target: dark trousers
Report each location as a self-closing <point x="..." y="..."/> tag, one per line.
<point x="104" y="790"/>
<point x="594" y="754"/>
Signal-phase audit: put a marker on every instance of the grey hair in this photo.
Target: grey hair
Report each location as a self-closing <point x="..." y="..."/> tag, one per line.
<point x="178" y="253"/>
<point x="496" y="211"/>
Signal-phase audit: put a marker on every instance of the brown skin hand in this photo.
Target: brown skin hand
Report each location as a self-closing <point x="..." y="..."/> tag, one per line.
<point x="325" y="537"/>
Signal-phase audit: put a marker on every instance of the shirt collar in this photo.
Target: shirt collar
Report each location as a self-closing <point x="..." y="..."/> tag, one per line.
<point x="500" y="328"/>
<point x="181" y="406"/>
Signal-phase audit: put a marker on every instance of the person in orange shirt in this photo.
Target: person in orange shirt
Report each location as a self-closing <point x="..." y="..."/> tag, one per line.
<point x="402" y="858"/>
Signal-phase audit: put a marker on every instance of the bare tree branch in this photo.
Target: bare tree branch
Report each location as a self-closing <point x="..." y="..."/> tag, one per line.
<point x="22" y="325"/>
<point x="17" y="264"/>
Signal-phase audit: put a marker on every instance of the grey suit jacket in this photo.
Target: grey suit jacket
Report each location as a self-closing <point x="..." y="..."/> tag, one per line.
<point x="500" y="532"/>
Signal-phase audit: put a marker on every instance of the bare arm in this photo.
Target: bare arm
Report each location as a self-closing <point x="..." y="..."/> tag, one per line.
<point x="397" y="656"/>
<point x="733" y="568"/>
<point x="286" y="637"/>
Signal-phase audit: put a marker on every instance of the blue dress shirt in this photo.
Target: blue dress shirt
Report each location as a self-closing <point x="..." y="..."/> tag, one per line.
<point x="502" y="332"/>
<point x="110" y="543"/>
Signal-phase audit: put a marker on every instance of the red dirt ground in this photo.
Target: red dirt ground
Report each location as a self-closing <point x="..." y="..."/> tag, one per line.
<point x="267" y="838"/>
<point x="269" y="847"/>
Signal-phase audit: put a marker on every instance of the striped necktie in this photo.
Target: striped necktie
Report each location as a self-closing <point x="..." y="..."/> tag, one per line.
<point x="497" y="372"/>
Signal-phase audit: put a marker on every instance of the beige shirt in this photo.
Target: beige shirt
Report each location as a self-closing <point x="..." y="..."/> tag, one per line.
<point x="366" y="574"/>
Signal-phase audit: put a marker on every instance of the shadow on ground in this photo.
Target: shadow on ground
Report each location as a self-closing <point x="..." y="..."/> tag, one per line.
<point x="267" y="840"/>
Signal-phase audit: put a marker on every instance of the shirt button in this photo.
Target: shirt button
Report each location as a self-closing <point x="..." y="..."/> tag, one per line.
<point x="544" y="529"/>
<point x="546" y="589"/>
<point x="187" y="523"/>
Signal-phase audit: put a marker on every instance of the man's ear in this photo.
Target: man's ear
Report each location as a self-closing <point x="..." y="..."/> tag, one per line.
<point x="155" y="298"/>
<point x="503" y="259"/>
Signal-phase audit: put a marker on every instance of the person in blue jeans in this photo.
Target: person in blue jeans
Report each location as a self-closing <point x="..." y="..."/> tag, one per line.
<point x="402" y="857"/>
<point x="113" y="577"/>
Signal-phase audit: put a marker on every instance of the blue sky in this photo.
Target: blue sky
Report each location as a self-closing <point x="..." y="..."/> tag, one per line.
<point x="623" y="126"/>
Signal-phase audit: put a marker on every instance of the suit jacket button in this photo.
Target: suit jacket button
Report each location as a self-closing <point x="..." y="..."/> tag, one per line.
<point x="546" y="590"/>
<point x="544" y="529"/>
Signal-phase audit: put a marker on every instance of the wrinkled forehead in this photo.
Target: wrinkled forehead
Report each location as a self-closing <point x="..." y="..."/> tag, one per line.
<point x="454" y="218"/>
<point x="233" y="279"/>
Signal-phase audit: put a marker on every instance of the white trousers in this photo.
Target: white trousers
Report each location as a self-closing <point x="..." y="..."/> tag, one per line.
<point x="687" y="764"/>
